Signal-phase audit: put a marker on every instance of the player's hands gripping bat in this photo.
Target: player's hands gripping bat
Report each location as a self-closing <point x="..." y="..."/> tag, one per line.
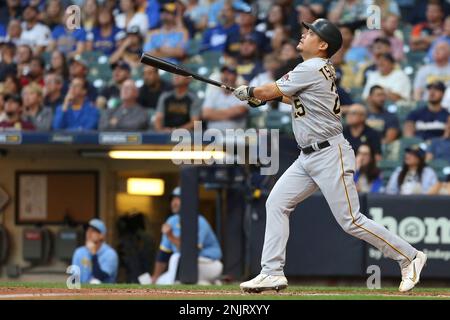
<point x="243" y="94"/>
<point x="173" y="68"/>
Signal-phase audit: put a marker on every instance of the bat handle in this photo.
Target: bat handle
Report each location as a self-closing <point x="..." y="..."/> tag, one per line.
<point x="227" y="88"/>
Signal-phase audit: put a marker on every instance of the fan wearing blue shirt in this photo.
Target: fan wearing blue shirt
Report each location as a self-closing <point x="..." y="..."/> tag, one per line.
<point x="98" y="262"/>
<point x="209" y="264"/>
<point x="68" y="41"/>
<point x="103" y="37"/>
<point x="428" y="122"/>
<point x="76" y="112"/>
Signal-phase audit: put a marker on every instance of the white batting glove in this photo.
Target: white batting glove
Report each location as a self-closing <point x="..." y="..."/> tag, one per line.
<point x="242" y="93"/>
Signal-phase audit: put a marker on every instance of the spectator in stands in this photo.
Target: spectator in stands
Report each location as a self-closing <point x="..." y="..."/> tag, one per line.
<point x="423" y="34"/>
<point x="78" y="68"/>
<point x="388" y="27"/>
<point x="12" y="10"/>
<point x="110" y="94"/>
<point x="103" y="36"/>
<point x="428" y="122"/>
<point x="3" y="116"/>
<point x="11" y="85"/>
<point x="98" y="262"/>
<point x="379" y="47"/>
<point x="129" y="116"/>
<point x="23" y="57"/>
<point x="246" y="23"/>
<point x="367" y="175"/>
<point x="347" y="11"/>
<point x="130" y="17"/>
<point x="70" y="42"/>
<point x="248" y="61"/>
<point x="378" y="118"/>
<point x="169" y="41"/>
<point x="394" y="81"/>
<point x="89" y="14"/>
<point x="14" y="32"/>
<point x="13" y="112"/>
<point x="35" y="73"/>
<point x="194" y="15"/>
<point x="439" y="148"/>
<point x="53" y="90"/>
<point x="414" y="177"/>
<point x="222" y="109"/>
<point x="441" y="188"/>
<point x="438" y="70"/>
<point x="58" y="64"/>
<point x="76" y="112"/>
<point x="7" y="64"/>
<point x="343" y="59"/>
<point x="34" y="33"/>
<point x="53" y="13"/>
<point x="152" y="88"/>
<point x="209" y="255"/>
<point x="34" y="110"/>
<point x="275" y="20"/>
<point x="358" y="132"/>
<point x="444" y="37"/>
<point x="344" y="96"/>
<point x="129" y="48"/>
<point x="178" y="108"/>
<point x="214" y="38"/>
<point x="289" y="57"/>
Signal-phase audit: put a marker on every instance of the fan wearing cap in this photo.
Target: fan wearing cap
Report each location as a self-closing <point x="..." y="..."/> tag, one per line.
<point x="326" y="162"/>
<point x="414" y="177"/>
<point x="79" y="68"/>
<point x="98" y="262"/>
<point x="129" y="47"/>
<point x="13" y="112"/>
<point x="209" y="255"/>
<point x="248" y="62"/>
<point x="170" y="40"/>
<point x="429" y="121"/>
<point x="110" y="94"/>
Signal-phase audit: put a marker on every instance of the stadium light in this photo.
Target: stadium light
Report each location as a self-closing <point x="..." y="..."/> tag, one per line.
<point x="145" y="186"/>
<point x="166" y="155"/>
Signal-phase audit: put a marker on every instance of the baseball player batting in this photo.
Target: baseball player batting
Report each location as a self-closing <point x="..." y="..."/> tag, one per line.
<point x="326" y="161"/>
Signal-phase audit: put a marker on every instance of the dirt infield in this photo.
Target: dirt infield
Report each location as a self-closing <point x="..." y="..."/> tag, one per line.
<point x="156" y="293"/>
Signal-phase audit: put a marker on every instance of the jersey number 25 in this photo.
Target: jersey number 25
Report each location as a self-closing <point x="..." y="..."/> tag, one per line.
<point x="337" y="102"/>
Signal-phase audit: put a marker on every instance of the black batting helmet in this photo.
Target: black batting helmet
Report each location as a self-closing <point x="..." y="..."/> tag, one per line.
<point x="328" y="32"/>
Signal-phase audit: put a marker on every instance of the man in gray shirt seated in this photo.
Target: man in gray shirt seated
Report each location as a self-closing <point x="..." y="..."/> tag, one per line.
<point x="130" y="116"/>
<point x="221" y="108"/>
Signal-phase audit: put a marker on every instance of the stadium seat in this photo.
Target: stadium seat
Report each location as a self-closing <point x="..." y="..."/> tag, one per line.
<point x="256" y="119"/>
<point x="438" y="165"/>
<point x="279" y="120"/>
<point x="388" y="167"/>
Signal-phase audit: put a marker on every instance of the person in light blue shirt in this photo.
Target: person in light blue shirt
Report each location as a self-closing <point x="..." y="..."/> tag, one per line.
<point x="209" y="265"/>
<point x="98" y="262"/>
<point x="76" y="112"/>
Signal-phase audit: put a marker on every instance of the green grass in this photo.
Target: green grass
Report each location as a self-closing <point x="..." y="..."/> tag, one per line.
<point x="231" y="292"/>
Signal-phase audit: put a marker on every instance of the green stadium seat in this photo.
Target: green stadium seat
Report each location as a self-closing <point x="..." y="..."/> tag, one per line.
<point x="256" y="119"/>
<point x="93" y="57"/>
<point x="387" y="167"/>
<point x="279" y="120"/>
<point x="151" y="114"/>
<point x="438" y="165"/>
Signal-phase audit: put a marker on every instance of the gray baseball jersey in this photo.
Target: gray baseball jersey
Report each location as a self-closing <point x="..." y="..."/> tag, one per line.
<point x="316" y="118"/>
<point x="315" y="101"/>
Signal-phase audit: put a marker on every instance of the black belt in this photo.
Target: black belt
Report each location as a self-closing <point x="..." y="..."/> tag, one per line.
<point x="310" y="149"/>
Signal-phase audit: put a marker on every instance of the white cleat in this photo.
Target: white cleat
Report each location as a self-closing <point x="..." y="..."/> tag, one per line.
<point x="411" y="273"/>
<point x="264" y="282"/>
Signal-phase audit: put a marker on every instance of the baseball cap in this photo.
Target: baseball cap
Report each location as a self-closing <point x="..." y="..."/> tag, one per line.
<point x="78" y="58"/>
<point x="170" y="7"/>
<point x="122" y="65"/>
<point x="417" y="150"/>
<point x="439" y="85"/>
<point x="242" y="7"/>
<point x="98" y="225"/>
<point x="176" y="192"/>
<point x="228" y="68"/>
<point x="249" y="38"/>
<point x="13" y="97"/>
